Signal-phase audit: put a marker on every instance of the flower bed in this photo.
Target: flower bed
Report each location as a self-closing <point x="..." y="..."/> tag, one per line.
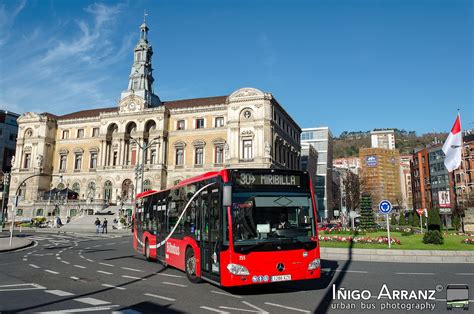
<point x="363" y="240"/>
<point x="468" y="241"/>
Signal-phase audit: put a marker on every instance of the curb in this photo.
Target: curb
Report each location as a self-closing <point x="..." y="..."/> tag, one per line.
<point x="399" y="256"/>
<point x="14" y="247"/>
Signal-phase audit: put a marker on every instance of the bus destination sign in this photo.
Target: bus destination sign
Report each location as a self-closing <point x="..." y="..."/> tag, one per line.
<point x="268" y="179"/>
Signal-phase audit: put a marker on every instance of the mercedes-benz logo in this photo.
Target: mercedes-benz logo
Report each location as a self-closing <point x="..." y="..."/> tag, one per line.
<point x="280" y="267"/>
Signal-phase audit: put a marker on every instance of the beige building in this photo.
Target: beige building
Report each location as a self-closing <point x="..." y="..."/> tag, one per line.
<point x="99" y="153"/>
<point x="380" y="175"/>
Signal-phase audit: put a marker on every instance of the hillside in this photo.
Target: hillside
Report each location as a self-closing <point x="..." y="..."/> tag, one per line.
<point x="349" y="143"/>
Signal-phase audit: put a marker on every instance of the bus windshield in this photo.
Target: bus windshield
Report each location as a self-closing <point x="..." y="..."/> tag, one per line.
<point x="264" y="221"/>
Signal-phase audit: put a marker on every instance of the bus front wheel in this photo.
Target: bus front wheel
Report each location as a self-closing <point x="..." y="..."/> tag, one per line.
<point x="190" y="265"/>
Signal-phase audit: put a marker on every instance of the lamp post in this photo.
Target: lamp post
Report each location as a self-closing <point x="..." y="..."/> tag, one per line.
<point x="15" y="202"/>
<point x="140" y="169"/>
<point x="6" y="184"/>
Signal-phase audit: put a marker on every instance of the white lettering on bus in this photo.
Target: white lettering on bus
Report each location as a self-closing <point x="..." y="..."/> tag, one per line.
<point x="172" y="249"/>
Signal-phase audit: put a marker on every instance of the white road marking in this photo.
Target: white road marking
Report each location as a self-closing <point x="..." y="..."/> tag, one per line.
<point x="97" y="245"/>
<point x="287" y="307"/>
<point x="465" y="274"/>
<point x="105" y="264"/>
<point x="132" y="269"/>
<point x="174" y="284"/>
<point x="132" y="277"/>
<point x="87" y="248"/>
<point x="124" y="242"/>
<point x="74" y="278"/>
<point x="104" y="272"/>
<point x="57" y="257"/>
<point x="34" y="266"/>
<point x="128" y="311"/>
<point x="213" y="310"/>
<point x="111" y="244"/>
<point x="89" y="309"/>
<point x="92" y="301"/>
<point x="414" y="273"/>
<point x="51" y="271"/>
<point x="89" y="260"/>
<point x="160" y="297"/>
<point x="169" y="275"/>
<point x="238" y="309"/>
<point x="226" y="294"/>
<point x="255" y="307"/>
<point x="112" y="286"/>
<point x="65" y="262"/>
<point x="352" y="271"/>
<point x="59" y="293"/>
<point x="79" y="266"/>
<point x="25" y="259"/>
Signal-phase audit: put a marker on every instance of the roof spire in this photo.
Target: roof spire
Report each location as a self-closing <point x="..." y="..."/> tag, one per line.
<point x="144" y="16"/>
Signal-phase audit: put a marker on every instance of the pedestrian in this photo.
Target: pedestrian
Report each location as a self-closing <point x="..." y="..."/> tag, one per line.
<point x="104" y="226"/>
<point x="97" y="225"/>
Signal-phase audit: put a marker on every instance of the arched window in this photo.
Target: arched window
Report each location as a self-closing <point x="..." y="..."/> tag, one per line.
<point x="76" y="188"/>
<point x="127" y="190"/>
<point x="107" y="190"/>
<point x="91" y="191"/>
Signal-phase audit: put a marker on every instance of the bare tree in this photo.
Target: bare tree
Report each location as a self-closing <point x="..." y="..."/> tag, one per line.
<point x="352" y="188"/>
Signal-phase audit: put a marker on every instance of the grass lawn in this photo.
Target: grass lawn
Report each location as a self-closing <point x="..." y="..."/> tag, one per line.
<point x="412" y="242"/>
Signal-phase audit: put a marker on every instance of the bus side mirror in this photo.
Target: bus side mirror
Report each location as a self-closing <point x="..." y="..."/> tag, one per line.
<point x="227" y="196"/>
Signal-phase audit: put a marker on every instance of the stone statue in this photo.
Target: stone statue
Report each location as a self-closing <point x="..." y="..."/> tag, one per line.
<point x="39" y="160"/>
<point x="268" y="150"/>
<point x="13" y="161"/>
<point x="226" y="151"/>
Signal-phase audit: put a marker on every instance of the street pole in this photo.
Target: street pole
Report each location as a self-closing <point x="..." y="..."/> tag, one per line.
<point x="388" y="232"/>
<point x="142" y="169"/>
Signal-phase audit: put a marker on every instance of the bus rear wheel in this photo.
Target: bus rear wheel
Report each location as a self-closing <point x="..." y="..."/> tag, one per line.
<point x="190" y="266"/>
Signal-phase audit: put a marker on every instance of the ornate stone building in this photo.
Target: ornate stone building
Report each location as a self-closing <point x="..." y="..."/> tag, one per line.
<point x="99" y="153"/>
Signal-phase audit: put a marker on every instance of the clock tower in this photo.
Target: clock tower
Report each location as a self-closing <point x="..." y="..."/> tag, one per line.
<point x="139" y="94"/>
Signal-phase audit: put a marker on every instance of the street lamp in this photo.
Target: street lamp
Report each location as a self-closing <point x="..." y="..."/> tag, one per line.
<point x="140" y="169"/>
<point x="6" y="184"/>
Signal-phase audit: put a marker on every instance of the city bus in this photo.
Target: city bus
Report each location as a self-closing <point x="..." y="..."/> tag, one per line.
<point x="232" y="227"/>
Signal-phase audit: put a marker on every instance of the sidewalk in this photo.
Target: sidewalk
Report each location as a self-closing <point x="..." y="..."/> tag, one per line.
<point x="398" y="256"/>
<point x="17" y="242"/>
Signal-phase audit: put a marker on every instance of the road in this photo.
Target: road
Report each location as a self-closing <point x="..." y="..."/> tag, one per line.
<point x="92" y="273"/>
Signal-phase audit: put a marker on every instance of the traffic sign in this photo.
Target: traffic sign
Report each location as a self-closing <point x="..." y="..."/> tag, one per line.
<point x="420" y="211"/>
<point x="385" y="207"/>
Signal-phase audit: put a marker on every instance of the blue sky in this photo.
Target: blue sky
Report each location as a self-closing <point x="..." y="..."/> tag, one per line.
<point x="350" y="65"/>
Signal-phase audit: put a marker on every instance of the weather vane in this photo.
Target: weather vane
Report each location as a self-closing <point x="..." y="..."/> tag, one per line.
<point x="144" y="16"/>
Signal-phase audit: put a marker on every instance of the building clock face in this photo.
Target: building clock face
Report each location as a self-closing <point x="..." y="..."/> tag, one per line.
<point x="131" y="106"/>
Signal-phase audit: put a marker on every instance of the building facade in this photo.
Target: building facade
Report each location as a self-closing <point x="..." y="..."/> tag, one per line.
<point x="383" y="139"/>
<point x="421" y="184"/>
<point x="8" y="135"/>
<point x="321" y="139"/>
<point x="107" y="155"/>
<point x="380" y="175"/>
<point x="406" y="182"/>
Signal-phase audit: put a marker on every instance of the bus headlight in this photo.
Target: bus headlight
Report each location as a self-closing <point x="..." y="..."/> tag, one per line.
<point x="236" y="269"/>
<point x="314" y="264"/>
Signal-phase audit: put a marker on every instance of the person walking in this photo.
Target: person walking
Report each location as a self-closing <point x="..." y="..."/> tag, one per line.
<point x="97" y="225"/>
<point x="104" y="226"/>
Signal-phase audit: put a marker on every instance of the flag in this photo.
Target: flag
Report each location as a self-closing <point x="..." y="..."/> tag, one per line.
<point x="452" y="148"/>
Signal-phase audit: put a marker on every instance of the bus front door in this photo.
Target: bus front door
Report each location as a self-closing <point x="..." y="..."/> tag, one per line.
<point x="210" y="226"/>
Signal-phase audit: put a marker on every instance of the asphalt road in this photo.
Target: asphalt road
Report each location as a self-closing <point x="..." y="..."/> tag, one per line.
<point x="89" y="273"/>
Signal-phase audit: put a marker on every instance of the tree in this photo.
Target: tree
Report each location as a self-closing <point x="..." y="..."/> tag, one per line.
<point x="434" y="220"/>
<point x="393" y="219"/>
<point x="367" y="220"/>
<point x="410" y="218"/>
<point x="456" y="221"/>
<point x="352" y="188"/>
<point x="416" y="220"/>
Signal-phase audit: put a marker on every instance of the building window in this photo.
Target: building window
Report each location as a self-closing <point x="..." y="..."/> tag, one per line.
<point x="62" y="162"/>
<point x="219" y="156"/>
<point x="65" y="134"/>
<point x="247" y="149"/>
<point x="93" y="163"/>
<point x="199" y="156"/>
<point x="19" y="212"/>
<point x="80" y="133"/>
<point x="27" y="161"/>
<point x="153" y="156"/>
<point x="219" y="122"/>
<point x="179" y="156"/>
<point x="199" y="123"/>
<point x="95" y="132"/>
<point x="115" y="159"/>
<point x="77" y="162"/>
<point x="180" y="125"/>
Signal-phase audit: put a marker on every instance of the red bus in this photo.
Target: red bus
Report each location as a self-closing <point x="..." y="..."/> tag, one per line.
<point x="233" y="227"/>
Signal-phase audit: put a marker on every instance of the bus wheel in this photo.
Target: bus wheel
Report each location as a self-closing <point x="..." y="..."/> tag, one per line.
<point x="190" y="266"/>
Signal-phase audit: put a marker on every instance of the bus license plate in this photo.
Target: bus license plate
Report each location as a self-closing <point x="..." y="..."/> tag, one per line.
<point x="281" y="278"/>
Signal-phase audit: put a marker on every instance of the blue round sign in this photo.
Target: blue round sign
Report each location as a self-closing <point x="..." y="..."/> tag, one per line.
<point x="385" y="207"/>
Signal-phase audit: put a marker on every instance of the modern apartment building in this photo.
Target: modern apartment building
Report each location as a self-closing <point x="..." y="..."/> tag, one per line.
<point x="383" y="139"/>
<point x="321" y="139"/>
<point x="8" y="134"/>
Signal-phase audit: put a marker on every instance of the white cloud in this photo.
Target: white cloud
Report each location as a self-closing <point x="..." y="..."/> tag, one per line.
<point x="7" y="18"/>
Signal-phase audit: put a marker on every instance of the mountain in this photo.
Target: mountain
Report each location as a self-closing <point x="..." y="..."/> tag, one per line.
<point x="349" y="143"/>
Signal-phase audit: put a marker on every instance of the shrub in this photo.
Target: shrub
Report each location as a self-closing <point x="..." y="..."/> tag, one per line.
<point x="416" y="220"/>
<point x="434" y="220"/>
<point x="393" y="219"/>
<point x="433" y="237"/>
<point x="456" y="222"/>
<point x="410" y="218"/>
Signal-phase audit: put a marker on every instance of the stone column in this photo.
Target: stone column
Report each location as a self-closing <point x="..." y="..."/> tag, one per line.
<point x="120" y="152"/>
